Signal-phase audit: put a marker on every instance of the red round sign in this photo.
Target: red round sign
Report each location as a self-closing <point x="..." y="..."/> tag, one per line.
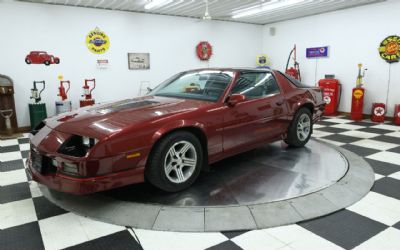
<point x="204" y="50"/>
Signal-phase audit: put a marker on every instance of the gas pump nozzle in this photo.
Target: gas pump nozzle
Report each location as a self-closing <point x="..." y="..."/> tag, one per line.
<point x="35" y="93"/>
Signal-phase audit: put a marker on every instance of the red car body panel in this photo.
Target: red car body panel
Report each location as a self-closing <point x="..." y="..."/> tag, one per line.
<point x="127" y="135"/>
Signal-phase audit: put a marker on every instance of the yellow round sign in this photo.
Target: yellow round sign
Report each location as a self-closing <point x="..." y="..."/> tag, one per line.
<point x="262" y="60"/>
<point x="358" y="93"/>
<point x="389" y="49"/>
<point x="97" y="41"/>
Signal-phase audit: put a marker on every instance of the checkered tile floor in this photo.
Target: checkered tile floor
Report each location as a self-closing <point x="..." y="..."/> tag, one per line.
<point x="30" y="221"/>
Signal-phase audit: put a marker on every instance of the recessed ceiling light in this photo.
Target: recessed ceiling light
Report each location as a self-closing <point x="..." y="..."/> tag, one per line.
<point x="156" y="3"/>
<point x="271" y="5"/>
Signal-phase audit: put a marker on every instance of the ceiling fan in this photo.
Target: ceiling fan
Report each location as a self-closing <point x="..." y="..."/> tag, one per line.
<point x="206" y="15"/>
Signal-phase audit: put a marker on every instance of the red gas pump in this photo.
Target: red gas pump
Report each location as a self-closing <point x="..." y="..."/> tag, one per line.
<point x="331" y="89"/>
<point x="295" y="70"/>
<point x="357" y="101"/>
<point x="378" y="112"/>
<point x="63" y="105"/>
<point x="62" y="92"/>
<point x="396" y="117"/>
<point x="87" y="93"/>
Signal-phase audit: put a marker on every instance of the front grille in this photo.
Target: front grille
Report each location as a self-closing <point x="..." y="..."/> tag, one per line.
<point x="42" y="163"/>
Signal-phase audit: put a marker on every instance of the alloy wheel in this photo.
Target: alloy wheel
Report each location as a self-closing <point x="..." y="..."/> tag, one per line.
<point x="180" y="162"/>
<point x="303" y="127"/>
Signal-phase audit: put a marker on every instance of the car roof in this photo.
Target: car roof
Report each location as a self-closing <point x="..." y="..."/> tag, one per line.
<point x="38" y="52"/>
<point x="232" y="69"/>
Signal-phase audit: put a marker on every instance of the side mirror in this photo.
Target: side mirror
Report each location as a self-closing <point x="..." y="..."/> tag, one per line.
<point x="235" y="99"/>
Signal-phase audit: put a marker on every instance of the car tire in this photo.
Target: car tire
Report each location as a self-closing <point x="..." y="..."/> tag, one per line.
<point x="57" y="61"/>
<point x="28" y="61"/>
<point x="175" y="162"/>
<point x="47" y="63"/>
<point x="300" y="129"/>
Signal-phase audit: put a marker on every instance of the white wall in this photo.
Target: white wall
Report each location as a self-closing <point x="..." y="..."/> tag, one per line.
<point x="61" y="31"/>
<point x="354" y="36"/>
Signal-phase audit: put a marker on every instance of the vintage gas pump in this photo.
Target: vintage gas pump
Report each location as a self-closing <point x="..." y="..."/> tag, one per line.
<point x="295" y="70"/>
<point x="8" y="119"/>
<point x="37" y="110"/>
<point x="87" y="93"/>
<point x="358" y="93"/>
<point x="331" y="90"/>
<point x="64" y="105"/>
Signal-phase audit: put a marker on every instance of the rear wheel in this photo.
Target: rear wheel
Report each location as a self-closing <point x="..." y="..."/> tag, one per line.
<point x="175" y="162"/>
<point x="47" y="63"/>
<point x="300" y="129"/>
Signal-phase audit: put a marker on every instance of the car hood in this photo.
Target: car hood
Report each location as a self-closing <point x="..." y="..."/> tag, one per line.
<point x="104" y="119"/>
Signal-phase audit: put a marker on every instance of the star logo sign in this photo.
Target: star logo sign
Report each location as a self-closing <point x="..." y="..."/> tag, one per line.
<point x="379" y="111"/>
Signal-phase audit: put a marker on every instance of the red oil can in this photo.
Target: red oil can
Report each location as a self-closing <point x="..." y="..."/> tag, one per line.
<point x="396" y="117"/>
<point x="378" y="112"/>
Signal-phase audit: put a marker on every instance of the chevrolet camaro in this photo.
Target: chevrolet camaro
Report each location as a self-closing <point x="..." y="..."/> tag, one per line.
<point x="167" y="137"/>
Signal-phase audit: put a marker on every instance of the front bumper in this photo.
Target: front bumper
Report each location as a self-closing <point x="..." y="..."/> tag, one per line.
<point x="75" y="185"/>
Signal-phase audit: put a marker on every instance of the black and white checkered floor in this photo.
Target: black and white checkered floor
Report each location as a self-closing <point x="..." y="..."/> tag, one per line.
<point x="30" y="221"/>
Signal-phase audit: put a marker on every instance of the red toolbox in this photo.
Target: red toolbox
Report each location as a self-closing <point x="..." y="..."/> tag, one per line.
<point x="331" y="89"/>
<point x="378" y="112"/>
<point x="396" y="117"/>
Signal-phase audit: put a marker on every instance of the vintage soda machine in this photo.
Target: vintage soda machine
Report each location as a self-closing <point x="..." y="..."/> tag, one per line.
<point x="331" y="90"/>
<point x="8" y="118"/>
<point x="63" y="105"/>
<point x="293" y="71"/>
<point x="37" y="109"/>
<point x="87" y="93"/>
<point x="357" y="100"/>
<point x="378" y="112"/>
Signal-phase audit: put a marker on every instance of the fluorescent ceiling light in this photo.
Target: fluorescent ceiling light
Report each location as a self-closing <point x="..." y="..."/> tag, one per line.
<point x="156" y="3"/>
<point x="271" y="5"/>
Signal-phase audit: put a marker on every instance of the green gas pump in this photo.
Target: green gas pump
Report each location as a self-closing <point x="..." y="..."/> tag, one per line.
<point x="37" y="110"/>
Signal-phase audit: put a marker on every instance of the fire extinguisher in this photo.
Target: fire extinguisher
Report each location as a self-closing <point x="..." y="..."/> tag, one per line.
<point x="295" y="70"/>
<point x="62" y="92"/>
<point x="87" y="93"/>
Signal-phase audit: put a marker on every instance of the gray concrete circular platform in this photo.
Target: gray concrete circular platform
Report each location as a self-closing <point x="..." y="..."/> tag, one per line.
<point x="266" y="187"/>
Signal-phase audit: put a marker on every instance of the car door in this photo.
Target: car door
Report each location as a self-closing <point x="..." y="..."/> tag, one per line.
<point x="261" y="117"/>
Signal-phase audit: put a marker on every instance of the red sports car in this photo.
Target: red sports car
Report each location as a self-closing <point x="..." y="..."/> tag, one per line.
<point x="193" y="119"/>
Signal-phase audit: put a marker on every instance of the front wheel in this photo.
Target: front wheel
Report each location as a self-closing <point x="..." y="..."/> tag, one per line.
<point x="300" y="129"/>
<point x="175" y="162"/>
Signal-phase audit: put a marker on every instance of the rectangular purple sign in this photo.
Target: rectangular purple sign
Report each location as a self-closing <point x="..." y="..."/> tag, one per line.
<point x="317" y="52"/>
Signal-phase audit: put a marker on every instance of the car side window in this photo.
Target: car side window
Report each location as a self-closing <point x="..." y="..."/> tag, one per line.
<point x="256" y="84"/>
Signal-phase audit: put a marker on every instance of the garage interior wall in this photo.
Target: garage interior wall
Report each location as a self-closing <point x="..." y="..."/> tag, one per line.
<point x="61" y="31"/>
<point x="353" y="37"/>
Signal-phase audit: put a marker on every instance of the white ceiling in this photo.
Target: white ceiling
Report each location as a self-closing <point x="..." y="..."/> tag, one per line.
<point x="218" y="9"/>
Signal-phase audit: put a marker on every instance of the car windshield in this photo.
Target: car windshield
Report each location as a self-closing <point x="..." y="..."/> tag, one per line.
<point x="207" y="85"/>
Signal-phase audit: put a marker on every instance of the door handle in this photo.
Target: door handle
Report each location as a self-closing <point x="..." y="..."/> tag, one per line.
<point x="279" y="103"/>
